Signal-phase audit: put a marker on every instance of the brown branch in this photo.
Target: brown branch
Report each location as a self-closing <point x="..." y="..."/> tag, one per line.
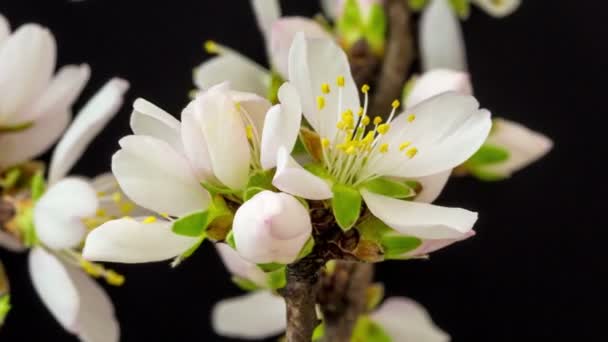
<point x="399" y="56"/>
<point x="7" y="212"/>
<point x="342" y="298"/>
<point x="300" y="295"/>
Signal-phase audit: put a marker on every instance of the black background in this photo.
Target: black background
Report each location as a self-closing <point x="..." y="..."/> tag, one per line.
<point x="534" y="272"/>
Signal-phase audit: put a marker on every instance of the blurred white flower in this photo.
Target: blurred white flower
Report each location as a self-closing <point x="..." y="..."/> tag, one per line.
<point x="498" y="8"/>
<point x="240" y="267"/>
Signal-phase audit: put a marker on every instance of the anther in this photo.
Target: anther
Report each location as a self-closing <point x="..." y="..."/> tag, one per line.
<point x="325" y="142"/>
<point x="411" y="118"/>
<point x="211" y="47"/>
<point x="377" y="120"/>
<point x="320" y="102"/>
<point x="383" y="148"/>
<point x="384" y="128"/>
<point x="365" y="88"/>
<point x="325" y="88"/>
<point x="365" y="121"/>
<point x="404" y="145"/>
<point x="340" y="81"/>
<point x="149" y="219"/>
<point x="395" y="104"/>
<point x="411" y="152"/>
<point x="249" y="131"/>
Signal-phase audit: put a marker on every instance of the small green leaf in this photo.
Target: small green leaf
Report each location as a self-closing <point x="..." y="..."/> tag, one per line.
<point x="38" y="185"/>
<point x="319" y="332"/>
<point x="5" y="307"/>
<point x="417" y="5"/>
<point x="369" y="331"/>
<point x="230" y="240"/>
<point x="346" y="205"/>
<point x="390" y="188"/>
<point x="486" y="155"/>
<point x="307" y="249"/>
<point x="277" y="279"/>
<point x="192" y="225"/>
<point x="375" y="30"/>
<point x="10" y="179"/>
<point x="485" y="175"/>
<point x="245" y="284"/>
<point x="461" y="7"/>
<point x="218" y="189"/>
<point x="270" y="267"/>
<point x="396" y="245"/>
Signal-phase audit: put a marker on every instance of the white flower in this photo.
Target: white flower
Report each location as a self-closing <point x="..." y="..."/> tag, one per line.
<point x="240" y="267"/>
<point x="427" y="139"/>
<point x="35" y="106"/>
<point x="498" y="8"/>
<point x="438" y="81"/>
<point x="240" y="317"/>
<point x="271" y="227"/>
<point x="243" y="73"/>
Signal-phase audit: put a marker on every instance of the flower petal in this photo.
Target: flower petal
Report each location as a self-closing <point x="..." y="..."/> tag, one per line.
<point x="195" y="146"/>
<point x="313" y="62"/>
<point x="106" y="186"/>
<point x="282" y="125"/>
<point x="438" y="81"/>
<point x="432" y="186"/>
<point x="161" y="181"/>
<point x="290" y="177"/>
<point x="5" y="29"/>
<point x="225" y="134"/>
<point x="128" y="240"/>
<point x="421" y="220"/>
<point x="255" y="106"/>
<point x="148" y="119"/>
<point x="271" y="227"/>
<point x="61" y="93"/>
<point x="18" y="147"/>
<point x="75" y="300"/>
<point x="59" y="212"/>
<point x="91" y="119"/>
<point x="498" y="9"/>
<point x="441" y="41"/>
<point x="429" y="246"/>
<point x="241" y="317"/>
<point x="27" y="62"/>
<point x="266" y="13"/>
<point x="242" y="73"/>
<point x="447" y="130"/>
<point x="524" y="146"/>
<point x="405" y="320"/>
<point x="283" y="33"/>
<point x="240" y="267"/>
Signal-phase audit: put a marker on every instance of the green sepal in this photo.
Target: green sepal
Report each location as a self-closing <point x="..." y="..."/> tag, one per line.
<point x="375" y="30"/>
<point x="218" y="189"/>
<point x="230" y="240"/>
<point x="346" y="205"/>
<point x="395" y="245"/>
<point x="307" y="248"/>
<point x="461" y="7"/>
<point x="318" y="170"/>
<point x="258" y="182"/>
<point x="16" y="128"/>
<point x="251" y="191"/>
<point x="388" y="187"/>
<point x="488" y="155"/>
<point x="245" y="284"/>
<point x="37" y="185"/>
<point x="270" y="267"/>
<point x="319" y="332"/>
<point x="417" y="5"/>
<point x="369" y="331"/>
<point x="5" y="307"/>
<point x="273" y="88"/>
<point x="374" y="295"/>
<point x="485" y="175"/>
<point x="277" y="279"/>
<point x="10" y="179"/>
<point x="192" y="225"/>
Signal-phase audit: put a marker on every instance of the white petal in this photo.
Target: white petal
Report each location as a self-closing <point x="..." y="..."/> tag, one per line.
<point x="266" y="13"/>
<point x="161" y="181"/>
<point x="432" y="186"/>
<point x="330" y="8"/>
<point x="18" y="147"/>
<point x="59" y="212"/>
<point x="148" y="119"/>
<point x="75" y="300"/>
<point x="271" y="227"/>
<point x="5" y="29"/>
<point x="242" y="73"/>
<point x="256" y="315"/>
<point x="254" y="106"/>
<point x="429" y="246"/>
<point x="91" y="119"/>
<point x="282" y="125"/>
<point x="61" y="93"/>
<point x="195" y="146"/>
<point x="441" y="41"/>
<point x="225" y="134"/>
<point x="131" y="241"/>
<point x="283" y="33"/>
<point x="448" y="129"/>
<point x="239" y="266"/>
<point x="313" y="62"/>
<point x="438" y="81"/>
<point x="422" y="220"/>
<point x="498" y="9"/>
<point x="10" y="243"/>
<point x="524" y="146"/>
<point x="107" y="185"/>
<point x="27" y="61"/>
<point x="405" y="320"/>
<point x="290" y="177"/>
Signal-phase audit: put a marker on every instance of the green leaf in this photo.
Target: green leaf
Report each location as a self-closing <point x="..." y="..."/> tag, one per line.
<point x="270" y="267"/>
<point x="307" y="249"/>
<point x="10" y="179"/>
<point x="245" y="284"/>
<point x="277" y="279"/>
<point x="395" y="245"/>
<point x="319" y="332"/>
<point x="369" y="331"/>
<point x="230" y="240"/>
<point x="461" y="7"/>
<point x="486" y="155"/>
<point x="192" y="225"/>
<point x="258" y="182"/>
<point x="485" y="175"/>
<point x="390" y="188"/>
<point x="250" y="192"/>
<point x="218" y="189"/>
<point x="351" y="19"/>
<point x="417" y="5"/>
<point x="346" y="205"/>
<point x="38" y="185"/>
<point x="375" y="30"/>
<point x="5" y="307"/>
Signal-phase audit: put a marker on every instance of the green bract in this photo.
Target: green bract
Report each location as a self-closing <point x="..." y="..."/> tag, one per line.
<point x="346" y="205"/>
<point x="245" y="284"/>
<point x="388" y="187"/>
<point x="192" y="225"/>
<point x="277" y="278"/>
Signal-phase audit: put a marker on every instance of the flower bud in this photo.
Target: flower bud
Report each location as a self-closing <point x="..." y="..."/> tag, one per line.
<point x="271" y="227"/>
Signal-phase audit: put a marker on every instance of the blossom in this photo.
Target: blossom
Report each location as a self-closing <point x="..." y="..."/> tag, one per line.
<point x="429" y="138"/>
<point x="35" y="105"/>
<point x="401" y="318"/>
<point x="59" y="220"/>
<point x="498" y="8"/>
<point x="240" y="267"/>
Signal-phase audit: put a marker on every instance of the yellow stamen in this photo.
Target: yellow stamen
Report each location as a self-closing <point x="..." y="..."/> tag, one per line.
<point x="164" y="215"/>
<point x="340" y="81"/>
<point x="101" y="194"/>
<point x="411" y="152"/>
<point x="384" y="128"/>
<point x="101" y="213"/>
<point x="351" y="149"/>
<point x="383" y="148"/>
<point x="90" y="268"/>
<point x="365" y="120"/>
<point x="404" y="145"/>
<point x="377" y="120"/>
<point x="249" y="131"/>
<point x="360" y="111"/>
<point x="395" y="104"/>
<point x="211" y="47"/>
<point x="411" y="118"/>
<point x="117" y="197"/>
<point x="149" y="219"/>
<point x="325" y="88"/>
<point x="365" y="88"/>
<point x="114" y="278"/>
<point x="325" y="142"/>
<point x="320" y="102"/>
<point x="126" y="208"/>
